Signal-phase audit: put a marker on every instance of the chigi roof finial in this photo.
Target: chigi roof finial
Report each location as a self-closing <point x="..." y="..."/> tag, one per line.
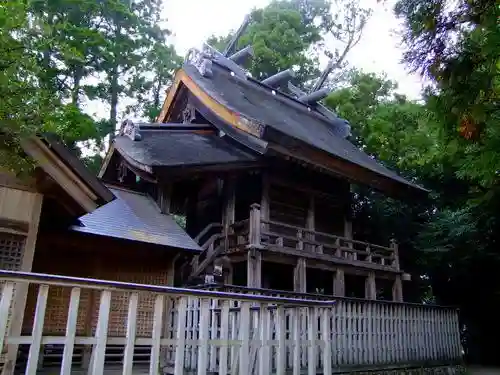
<point x="233" y="43"/>
<point x="202" y="59"/>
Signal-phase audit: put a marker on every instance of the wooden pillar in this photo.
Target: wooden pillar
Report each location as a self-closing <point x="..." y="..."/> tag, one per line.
<point x="254" y="269"/>
<point x="254" y="232"/>
<point x="91" y="314"/>
<point x="228" y="213"/>
<point x="397" y="289"/>
<point x="395" y="255"/>
<point x="348" y="229"/>
<point x="165" y="198"/>
<point x="254" y="257"/>
<point x="339" y="283"/>
<point x="310" y="223"/>
<point x="264" y="203"/>
<point x="168" y="324"/>
<point x="229" y="204"/>
<point x="229" y="276"/>
<point x="21" y="289"/>
<point x="370" y="286"/>
<point x="300" y="277"/>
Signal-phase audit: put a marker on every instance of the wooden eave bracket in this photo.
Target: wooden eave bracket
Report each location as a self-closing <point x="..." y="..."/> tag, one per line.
<point x="60" y="173"/>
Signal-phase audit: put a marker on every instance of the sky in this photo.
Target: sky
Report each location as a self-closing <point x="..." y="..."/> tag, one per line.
<point x="193" y="21"/>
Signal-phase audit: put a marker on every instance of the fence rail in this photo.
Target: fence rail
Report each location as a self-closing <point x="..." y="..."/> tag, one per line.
<point x="221" y="332"/>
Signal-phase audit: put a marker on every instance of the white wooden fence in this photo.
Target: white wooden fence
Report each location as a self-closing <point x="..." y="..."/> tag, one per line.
<point x="227" y="333"/>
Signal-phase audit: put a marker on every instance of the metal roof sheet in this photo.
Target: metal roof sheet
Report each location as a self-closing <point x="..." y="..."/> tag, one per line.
<point x="134" y="216"/>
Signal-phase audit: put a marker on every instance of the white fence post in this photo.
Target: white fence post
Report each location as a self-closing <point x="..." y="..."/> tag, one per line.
<point x="69" y="343"/>
<point x="34" y="353"/>
<point x="226" y="333"/>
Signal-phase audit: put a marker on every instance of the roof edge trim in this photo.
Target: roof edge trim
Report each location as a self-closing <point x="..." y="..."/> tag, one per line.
<point x="65" y="176"/>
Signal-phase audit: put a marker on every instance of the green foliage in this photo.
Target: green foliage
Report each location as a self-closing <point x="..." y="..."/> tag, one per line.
<point x="29" y="103"/>
<point x="291" y="34"/>
<point x="55" y="55"/>
<point x="281" y="40"/>
<point x="456" y="44"/>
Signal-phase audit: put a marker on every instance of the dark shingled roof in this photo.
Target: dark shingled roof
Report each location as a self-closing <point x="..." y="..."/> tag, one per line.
<point x="134" y="216"/>
<point x="164" y="147"/>
<point x="286" y="115"/>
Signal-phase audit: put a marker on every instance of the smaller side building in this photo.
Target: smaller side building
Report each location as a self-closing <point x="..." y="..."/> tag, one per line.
<point x="65" y="221"/>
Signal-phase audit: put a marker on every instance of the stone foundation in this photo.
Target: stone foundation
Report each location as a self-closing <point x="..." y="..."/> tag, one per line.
<point x="440" y="370"/>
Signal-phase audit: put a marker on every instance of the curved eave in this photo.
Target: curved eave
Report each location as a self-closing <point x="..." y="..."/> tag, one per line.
<point x="353" y="172"/>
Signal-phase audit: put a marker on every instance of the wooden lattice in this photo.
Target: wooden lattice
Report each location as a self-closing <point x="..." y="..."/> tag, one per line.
<point x="11" y="256"/>
<point x="11" y="251"/>
<point x="59" y="297"/>
<point x="119" y="301"/>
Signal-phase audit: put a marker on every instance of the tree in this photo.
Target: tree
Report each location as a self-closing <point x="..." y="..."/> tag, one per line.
<point x="398" y="133"/>
<point x="291" y="34"/>
<point x="29" y="104"/>
<point x="455" y="44"/>
<point x="160" y="64"/>
<point x="135" y="43"/>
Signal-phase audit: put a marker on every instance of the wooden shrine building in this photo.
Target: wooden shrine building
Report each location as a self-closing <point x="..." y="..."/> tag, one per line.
<point x="263" y="180"/>
<point x="209" y="242"/>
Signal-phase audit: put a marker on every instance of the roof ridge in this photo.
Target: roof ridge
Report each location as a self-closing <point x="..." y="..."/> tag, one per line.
<point x="289" y="100"/>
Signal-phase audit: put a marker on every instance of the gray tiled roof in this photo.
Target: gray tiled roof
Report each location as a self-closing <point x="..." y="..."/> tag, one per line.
<point x="134" y="216"/>
<point x="162" y="147"/>
<point x="285" y="115"/>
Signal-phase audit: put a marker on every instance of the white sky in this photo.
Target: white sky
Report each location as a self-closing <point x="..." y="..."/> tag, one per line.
<point x="193" y="21"/>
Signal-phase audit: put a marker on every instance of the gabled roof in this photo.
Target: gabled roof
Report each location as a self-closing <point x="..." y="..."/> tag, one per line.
<point x="284" y="114"/>
<point x="134" y="216"/>
<point x="266" y="120"/>
<point x="74" y="179"/>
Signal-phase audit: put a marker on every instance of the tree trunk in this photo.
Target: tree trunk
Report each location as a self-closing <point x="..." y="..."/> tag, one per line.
<point x="77" y="78"/>
<point x="114" y="91"/>
<point x="156" y="99"/>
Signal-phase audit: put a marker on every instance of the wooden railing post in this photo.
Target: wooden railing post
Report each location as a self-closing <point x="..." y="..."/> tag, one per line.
<point x="397" y="287"/>
<point x="254" y="226"/>
<point x="395" y="254"/>
<point x="254" y="258"/>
